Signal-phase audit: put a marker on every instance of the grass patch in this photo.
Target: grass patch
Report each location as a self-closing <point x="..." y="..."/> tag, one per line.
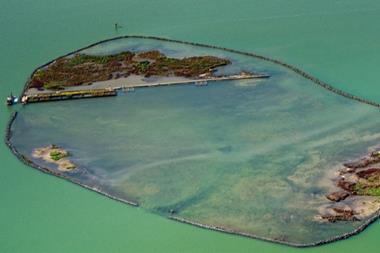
<point x="143" y="66"/>
<point x="58" y="155"/>
<point x="364" y="189"/>
<point x="374" y="192"/>
<point x="53" y="86"/>
<point x="82" y="58"/>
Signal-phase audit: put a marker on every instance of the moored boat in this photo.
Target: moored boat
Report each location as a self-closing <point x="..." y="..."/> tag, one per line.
<point x="11" y="100"/>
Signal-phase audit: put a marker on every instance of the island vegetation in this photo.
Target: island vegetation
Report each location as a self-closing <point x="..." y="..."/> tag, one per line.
<point x="365" y="176"/>
<point x="358" y="178"/>
<point x="82" y="69"/>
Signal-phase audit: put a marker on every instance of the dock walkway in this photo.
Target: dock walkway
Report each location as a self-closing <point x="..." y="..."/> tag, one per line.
<point x="200" y="81"/>
<point x="112" y="91"/>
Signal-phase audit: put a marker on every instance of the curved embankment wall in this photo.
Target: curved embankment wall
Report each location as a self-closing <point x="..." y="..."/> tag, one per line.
<point x="286" y="65"/>
<point x="322" y="84"/>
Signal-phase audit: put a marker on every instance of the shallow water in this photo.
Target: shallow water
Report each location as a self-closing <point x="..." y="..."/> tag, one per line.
<point x="337" y="41"/>
<point x="250" y="155"/>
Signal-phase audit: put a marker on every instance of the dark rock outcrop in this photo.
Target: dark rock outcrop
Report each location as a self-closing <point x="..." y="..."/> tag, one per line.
<point x="346" y="185"/>
<point x="337" y="196"/>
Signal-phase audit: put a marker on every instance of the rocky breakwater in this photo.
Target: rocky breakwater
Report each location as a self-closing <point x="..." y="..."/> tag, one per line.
<point x="358" y="190"/>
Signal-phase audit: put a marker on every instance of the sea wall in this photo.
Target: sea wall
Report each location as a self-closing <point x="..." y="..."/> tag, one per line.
<point x="359" y="229"/>
<point x="318" y="82"/>
<point x="29" y="162"/>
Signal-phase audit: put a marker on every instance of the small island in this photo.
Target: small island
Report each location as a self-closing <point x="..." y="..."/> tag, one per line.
<point x="82" y="69"/>
<point x="55" y="155"/>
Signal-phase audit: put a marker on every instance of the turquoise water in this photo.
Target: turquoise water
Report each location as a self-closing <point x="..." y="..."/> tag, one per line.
<point x="336" y="41"/>
<point x="246" y="155"/>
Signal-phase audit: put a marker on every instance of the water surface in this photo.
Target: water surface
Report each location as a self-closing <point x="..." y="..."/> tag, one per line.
<point x="252" y="156"/>
<point x="337" y="41"/>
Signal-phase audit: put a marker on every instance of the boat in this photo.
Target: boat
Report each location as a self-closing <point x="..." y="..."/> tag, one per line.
<point x="11" y="100"/>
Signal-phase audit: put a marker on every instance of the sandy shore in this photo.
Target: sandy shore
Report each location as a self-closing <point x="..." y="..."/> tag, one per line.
<point x="46" y="153"/>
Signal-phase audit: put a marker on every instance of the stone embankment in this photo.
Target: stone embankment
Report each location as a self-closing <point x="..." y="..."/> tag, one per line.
<point x="322" y="84"/>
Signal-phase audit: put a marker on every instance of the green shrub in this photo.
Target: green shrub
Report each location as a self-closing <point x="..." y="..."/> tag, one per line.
<point x="363" y="189"/>
<point x="57" y="155"/>
<point x="53" y="86"/>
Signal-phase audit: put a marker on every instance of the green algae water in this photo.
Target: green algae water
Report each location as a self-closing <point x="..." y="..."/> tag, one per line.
<point x="336" y="41"/>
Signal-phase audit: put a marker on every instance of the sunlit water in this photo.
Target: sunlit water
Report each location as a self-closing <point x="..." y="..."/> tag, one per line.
<point x="337" y="41"/>
<point x="251" y="156"/>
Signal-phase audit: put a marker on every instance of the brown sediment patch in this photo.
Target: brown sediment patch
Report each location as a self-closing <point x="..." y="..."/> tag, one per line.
<point x="337" y="196"/>
<point x="56" y="155"/>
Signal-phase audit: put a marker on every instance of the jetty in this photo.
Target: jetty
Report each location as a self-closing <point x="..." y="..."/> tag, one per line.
<point x="198" y="82"/>
<point x="112" y="91"/>
<point x="65" y="95"/>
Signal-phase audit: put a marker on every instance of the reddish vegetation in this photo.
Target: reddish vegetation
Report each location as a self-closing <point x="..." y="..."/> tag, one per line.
<point x="84" y="69"/>
<point x="366" y="182"/>
<point x="367" y="174"/>
<point x="357" y="178"/>
<point x="365" y="179"/>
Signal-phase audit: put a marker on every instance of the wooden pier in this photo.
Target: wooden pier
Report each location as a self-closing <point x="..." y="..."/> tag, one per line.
<point x="65" y="95"/>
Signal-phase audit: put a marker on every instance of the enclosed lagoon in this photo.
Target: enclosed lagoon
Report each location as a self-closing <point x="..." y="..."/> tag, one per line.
<point x="254" y="157"/>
